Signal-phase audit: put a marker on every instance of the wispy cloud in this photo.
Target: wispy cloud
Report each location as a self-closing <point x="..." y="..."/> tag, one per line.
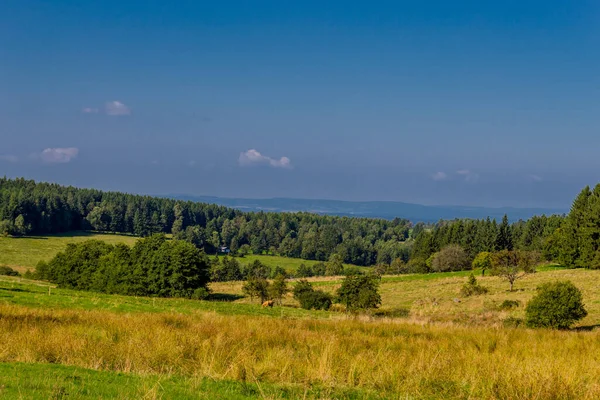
<point x="113" y="108"/>
<point x="9" y="158"/>
<point x="535" y="178"/>
<point x="116" y="108"/>
<point x="468" y="175"/>
<point x="253" y="157"/>
<point x="58" y="155"/>
<point x="439" y="176"/>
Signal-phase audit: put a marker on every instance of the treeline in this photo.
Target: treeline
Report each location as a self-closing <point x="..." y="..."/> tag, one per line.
<point x="30" y="208"/>
<point x="396" y="246"/>
<point x="476" y="236"/>
<point x="154" y="266"/>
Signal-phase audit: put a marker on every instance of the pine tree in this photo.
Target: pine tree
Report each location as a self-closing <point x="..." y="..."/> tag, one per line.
<point x="504" y="237"/>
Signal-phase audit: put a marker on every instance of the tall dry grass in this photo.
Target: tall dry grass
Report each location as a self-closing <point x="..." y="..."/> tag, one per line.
<point x="389" y="357"/>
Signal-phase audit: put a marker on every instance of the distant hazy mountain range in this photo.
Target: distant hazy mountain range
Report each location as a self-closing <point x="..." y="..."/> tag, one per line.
<point x="372" y="209"/>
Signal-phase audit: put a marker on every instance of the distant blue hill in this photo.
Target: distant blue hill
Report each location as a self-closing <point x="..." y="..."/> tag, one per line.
<point x="373" y="209"/>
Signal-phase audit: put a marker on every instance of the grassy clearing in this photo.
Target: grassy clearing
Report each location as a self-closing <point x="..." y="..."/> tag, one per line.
<point x="390" y="358"/>
<point x="26" y="252"/>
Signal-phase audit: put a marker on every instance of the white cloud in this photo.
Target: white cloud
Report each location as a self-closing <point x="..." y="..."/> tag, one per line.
<point x="90" y="110"/>
<point x="116" y="108"/>
<point x="191" y="163"/>
<point x="439" y="176"/>
<point x="59" y="155"/>
<point x="253" y="157"/>
<point x="9" y="158"/>
<point x="468" y="175"/>
<point x="535" y="178"/>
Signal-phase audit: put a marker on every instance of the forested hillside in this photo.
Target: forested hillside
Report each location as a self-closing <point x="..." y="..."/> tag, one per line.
<point x="30" y="208"/>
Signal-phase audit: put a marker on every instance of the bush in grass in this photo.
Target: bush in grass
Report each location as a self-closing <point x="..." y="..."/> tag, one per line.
<point x="509" y="304"/>
<point x="315" y="300"/>
<point x="512" y="322"/>
<point x="200" y="294"/>
<point x="557" y="305"/>
<point x="392" y="313"/>
<point x="309" y="298"/>
<point x="352" y="270"/>
<point x="8" y="271"/>
<point x="472" y="288"/>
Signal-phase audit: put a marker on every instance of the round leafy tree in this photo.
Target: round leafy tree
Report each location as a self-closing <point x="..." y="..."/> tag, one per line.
<point x="359" y="292"/>
<point x="557" y="305"/>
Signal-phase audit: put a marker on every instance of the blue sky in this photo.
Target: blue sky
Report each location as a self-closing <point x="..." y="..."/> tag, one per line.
<point x="435" y="102"/>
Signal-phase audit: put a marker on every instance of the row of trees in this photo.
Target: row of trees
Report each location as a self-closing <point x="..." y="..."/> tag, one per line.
<point x="154" y="266"/>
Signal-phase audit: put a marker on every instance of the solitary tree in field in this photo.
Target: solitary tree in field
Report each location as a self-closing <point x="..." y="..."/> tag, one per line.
<point x="513" y="265"/>
<point x="359" y="292"/>
<point x="482" y="261"/>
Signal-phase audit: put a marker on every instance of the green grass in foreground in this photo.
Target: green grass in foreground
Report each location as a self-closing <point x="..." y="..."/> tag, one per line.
<point x="51" y="381"/>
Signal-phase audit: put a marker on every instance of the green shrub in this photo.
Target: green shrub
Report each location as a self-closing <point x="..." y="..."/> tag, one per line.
<point x="512" y="322"/>
<point x="301" y="287"/>
<point x="315" y="300"/>
<point x="472" y="288"/>
<point x="200" y="294"/>
<point x="509" y="304"/>
<point x="392" y="313"/>
<point x="352" y="270"/>
<point x="557" y="305"/>
<point x="4" y="270"/>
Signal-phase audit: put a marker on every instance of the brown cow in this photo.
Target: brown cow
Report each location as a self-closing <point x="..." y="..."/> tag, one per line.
<point x="268" y="303"/>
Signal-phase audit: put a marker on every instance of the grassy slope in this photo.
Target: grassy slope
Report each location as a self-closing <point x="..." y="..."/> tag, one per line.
<point x="24" y="253"/>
